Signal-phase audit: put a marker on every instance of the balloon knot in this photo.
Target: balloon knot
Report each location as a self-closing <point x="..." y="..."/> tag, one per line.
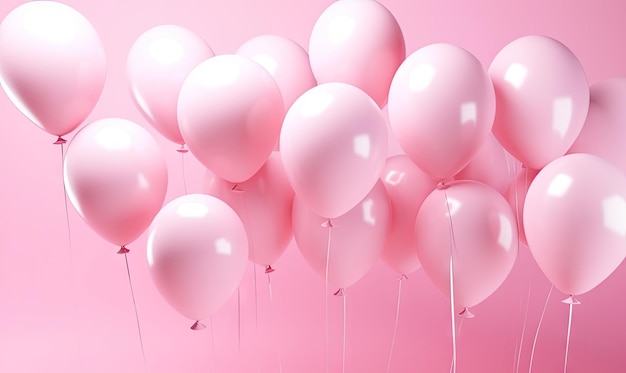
<point x="466" y="314"/>
<point x="123" y="250"/>
<point x="570" y="300"/>
<point x="402" y="277"/>
<point x="340" y="293"/>
<point x="269" y="269"/>
<point x="182" y="149"/>
<point x="60" y="141"/>
<point x="236" y="188"/>
<point x="328" y="224"/>
<point x="198" y="326"/>
<point x="444" y="184"/>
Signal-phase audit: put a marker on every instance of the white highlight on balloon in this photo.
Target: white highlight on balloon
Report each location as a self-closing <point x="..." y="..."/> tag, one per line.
<point x="362" y="146"/>
<point x="468" y="112"/>
<point x="368" y="216"/>
<point x="505" y="237"/>
<point x="614" y="214"/>
<point x="421" y="76"/>
<point x="166" y="51"/>
<point x="562" y="109"/>
<point x="340" y="29"/>
<point x="316" y="102"/>
<point x="143" y="181"/>
<point x="192" y="210"/>
<point x="113" y="138"/>
<point x="394" y="177"/>
<point x="559" y="185"/>
<point x="453" y="206"/>
<point x="59" y="28"/>
<point x="267" y="62"/>
<point x="516" y="75"/>
<point x="223" y="246"/>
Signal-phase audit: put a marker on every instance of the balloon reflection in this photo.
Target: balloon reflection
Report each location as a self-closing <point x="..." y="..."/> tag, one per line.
<point x="166" y="51"/>
<point x="113" y="138"/>
<point x="559" y="185"/>
<point x="368" y="215"/>
<point x="562" y="110"/>
<point x="468" y="113"/>
<point x="614" y="214"/>
<point x="505" y="236"/>
<point x="192" y="210"/>
<point x="421" y="77"/>
<point x="362" y="145"/>
<point x="516" y="75"/>
<point x="223" y="246"/>
<point x="340" y="29"/>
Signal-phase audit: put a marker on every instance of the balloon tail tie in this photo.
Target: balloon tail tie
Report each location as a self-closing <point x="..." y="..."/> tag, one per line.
<point x="198" y="326"/>
<point x="543" y="313"/>
<point x="132" y="293"/>
<point x="341" y="292"/>
<point x="466" y="314"/>
<point x="395" y="324"/>
<point x="182" y="149"/>
<point x="60" y="141"/>
<point x="269" y="269"/>
<point x="571" y="301"/>
<point x="123" y="250"/>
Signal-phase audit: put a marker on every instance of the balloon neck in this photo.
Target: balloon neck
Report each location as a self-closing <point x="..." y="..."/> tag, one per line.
<point x="198" y="326"/>
<point x="403" y="277"/>
<point x="60" y="141"/>
<point x="340" y="293"/>
<point x="444" y="183"/>
<point x="236" y="188"/>
<point x="570" y="300"/>
<point x="123" y="250"/>
<point x="182" y="149"/>
<point x="328" y="224"/>
<point x="466" y="314"/>
<point x="269" y="269"/>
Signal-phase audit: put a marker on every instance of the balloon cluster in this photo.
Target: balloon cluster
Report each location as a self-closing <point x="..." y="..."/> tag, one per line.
<point x="296" y="143"/>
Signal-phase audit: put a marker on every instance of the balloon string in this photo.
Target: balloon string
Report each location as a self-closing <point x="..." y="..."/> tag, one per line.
<point x="132" y="292"/>
<point x="345" y="319"/>
<point x="239" y="317"/>
<point x="569" y="330"/>
<point x="67" y="212"/>
<point x="256" y="315"/>
<point x="395" y="325"/>
<point x="458" y="334"/>
<point x="276" y="342"/>
<point x="214" y="360"/>
<point x="521" y="343"/>
<point x="182" y="161"/>
<point x="532" y="353"/>
<point x="326" y="298"/>
<point x="452" y="251"/>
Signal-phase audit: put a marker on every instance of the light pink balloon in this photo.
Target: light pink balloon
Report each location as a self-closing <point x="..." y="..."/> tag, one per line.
<point x="285" y="60"/>
<point x="492" y="165"/>
<point x="230" y="112"/>
<point x="197" y="254"/>
<point x="264" y="204"/>
<point x="516" y="195"/>
<point x="359" y="43"/>
<point x="542" y="96"/>
<point x="157" y="65"/>
<point x="605" y="127"/>
<point x="484" y="244"/>
<point x="575" y="221"/>
<point x="116" y="178"/>
<point x="356" y="240"/>
<point x="407" y="187"/>
<point x="334" y="145"/>
<point x="441" y="108"/>
<point x="52" y="64"/>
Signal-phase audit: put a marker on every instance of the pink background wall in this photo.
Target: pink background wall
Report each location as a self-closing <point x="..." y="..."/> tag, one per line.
<point x="72" y="312"/>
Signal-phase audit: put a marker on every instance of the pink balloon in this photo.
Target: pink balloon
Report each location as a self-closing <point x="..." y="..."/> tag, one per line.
<point x="285" y="60"/>
<point x="359" y="43"/>
<point x="484" y="244"/>
<point x="116" y="178"/>
<point x="605" y="127"/>
<point x="542" y="96"/>
<point x="52" y="64"/>
<point x="230" y="112"/>
<point x="492" y="165"/>
<point x="264" y="204"/>
<point x="197" y="254"/>
<point x="575" y="221"/>
<point x="356" y="239"/>
<point x="334" y="145"/>
<point x="407" y="187"/>
<point x="516" y="195"/>
<point x="441" y="108"/>
<point x="157" y="65"/>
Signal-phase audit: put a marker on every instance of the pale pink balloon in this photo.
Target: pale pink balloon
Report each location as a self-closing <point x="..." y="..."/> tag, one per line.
<point x="356" y="239"/>
<point x="285" y="60"/>
<point x="483" y="244"/>
<point x="116" y="178"/>
<point x="575" y="221"/>
<point x="492" y="165"/>
<point x="359" y="43"/>
<point x="197" y="254"/>
<point x="264" y="204"/>
<point x="156" y="67"/>
<point x="407" y="187"/>
<point x="334" y="145"/>
<point x="52" y="64"/>
<point x="605" y="127"/>
<point x="230" y="112"/>
<point x="516" y="195"/>
<point x="441" y="108"/>
<point x="542" y="96"/>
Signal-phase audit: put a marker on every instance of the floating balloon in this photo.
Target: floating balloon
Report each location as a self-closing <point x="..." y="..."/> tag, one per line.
<point x="334" y="145"/>
<point x="474" y="224"/>
<point x="356" y="239"/>
<point x="197" y="254"/>
<point x="264" y="204"/>
<point x="359" y="43"/>
<point x="230" y="112"/>
<point x="542" y="96"/>
<point x="52" y="64"/>
<point x="575" y="221"/>
<point x="157" y="65"/>
<point x="441" y="108"/>
<point x="116" y="178"/>
<point x="407" y="187"/>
